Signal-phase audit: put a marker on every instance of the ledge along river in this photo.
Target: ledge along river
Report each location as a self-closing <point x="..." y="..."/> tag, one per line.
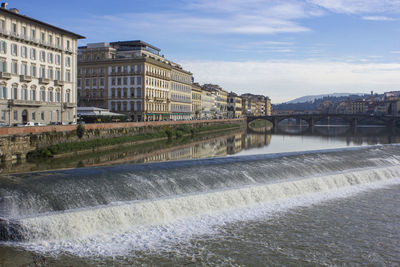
<point x="297" y="196"/>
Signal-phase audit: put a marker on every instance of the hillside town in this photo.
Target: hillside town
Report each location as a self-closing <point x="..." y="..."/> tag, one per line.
<point x="384" y="104"/>
<point x="46" y="79"/>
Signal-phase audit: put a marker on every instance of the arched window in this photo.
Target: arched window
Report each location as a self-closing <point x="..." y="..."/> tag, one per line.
<point x="68" y="96"/>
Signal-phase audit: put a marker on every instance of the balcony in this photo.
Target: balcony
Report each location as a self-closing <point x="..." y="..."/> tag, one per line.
<point x="69" y="105"/>
<point x="44" y="81"/>
<point x="29" y="103"/>
<point x="5" y="75"/>
<point x="59" y="83"/>
<point x="25" y="78"/>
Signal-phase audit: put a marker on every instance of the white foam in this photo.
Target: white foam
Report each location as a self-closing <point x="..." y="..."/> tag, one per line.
<point x="156" y="225"/>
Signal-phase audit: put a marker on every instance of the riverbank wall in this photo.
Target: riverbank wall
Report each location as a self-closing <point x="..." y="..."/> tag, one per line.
<point x="16" y="142"/>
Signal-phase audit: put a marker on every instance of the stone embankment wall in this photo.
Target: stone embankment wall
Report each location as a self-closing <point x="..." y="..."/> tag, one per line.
<point x="16" y="142"/>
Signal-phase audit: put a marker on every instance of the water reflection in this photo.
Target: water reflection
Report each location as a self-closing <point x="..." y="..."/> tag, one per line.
<point x="253" y="141"/>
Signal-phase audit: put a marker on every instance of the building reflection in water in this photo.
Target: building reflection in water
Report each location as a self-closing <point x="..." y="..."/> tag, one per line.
<point x="218" y="146"/>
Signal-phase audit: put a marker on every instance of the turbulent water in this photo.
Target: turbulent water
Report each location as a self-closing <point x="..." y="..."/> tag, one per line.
<point x="182" y="212"/>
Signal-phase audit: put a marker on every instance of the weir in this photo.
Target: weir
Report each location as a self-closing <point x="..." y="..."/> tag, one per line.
<point x="65" y="205"/>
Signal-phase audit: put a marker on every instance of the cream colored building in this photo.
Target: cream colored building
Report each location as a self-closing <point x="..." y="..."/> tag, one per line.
<point x="37" y="70"/>
<point x="196" y="101"/>
<point x="132" y="78"/>
<point x="208" y="104"/>
<point x="181" y="93"/>
<point x="234" y="105"/>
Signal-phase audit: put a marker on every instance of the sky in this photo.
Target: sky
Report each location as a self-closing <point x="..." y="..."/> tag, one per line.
<point x="281" y="48"/>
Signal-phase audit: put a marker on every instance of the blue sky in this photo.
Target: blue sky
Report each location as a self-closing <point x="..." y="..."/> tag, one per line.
<point x="284" y="49"/>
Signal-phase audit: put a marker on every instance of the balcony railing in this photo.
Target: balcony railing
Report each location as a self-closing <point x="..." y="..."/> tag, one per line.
<point x="25" y="78"/>
<point x="31" y="103"/>
<point x="5" y="75"/>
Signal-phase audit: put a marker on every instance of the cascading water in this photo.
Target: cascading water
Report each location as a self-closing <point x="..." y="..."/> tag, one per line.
<point x="66" y="205"/>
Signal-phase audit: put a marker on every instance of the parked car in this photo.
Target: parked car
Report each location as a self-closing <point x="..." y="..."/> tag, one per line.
<point x="29" y="123"/>
<point x="40" y="124"/>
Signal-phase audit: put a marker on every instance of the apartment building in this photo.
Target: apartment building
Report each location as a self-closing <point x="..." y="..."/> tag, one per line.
<point x="196" y="101"/>
<point x="208" y="104"/>
<point x="133" y="78"/>
<point x="181" y="93"/>
<point x="234" y="105"/>
<point x="37" y="70"/>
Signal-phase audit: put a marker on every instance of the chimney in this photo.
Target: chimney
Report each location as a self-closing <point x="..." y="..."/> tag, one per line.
<point x="4" y="5"/>
<point x="16" y="11"/>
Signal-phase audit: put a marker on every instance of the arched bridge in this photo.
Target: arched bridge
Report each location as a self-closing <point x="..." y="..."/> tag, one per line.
<point x="312" y="119"/>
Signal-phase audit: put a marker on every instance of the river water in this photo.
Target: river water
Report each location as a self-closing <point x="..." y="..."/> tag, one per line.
<point x="293" y="196"/>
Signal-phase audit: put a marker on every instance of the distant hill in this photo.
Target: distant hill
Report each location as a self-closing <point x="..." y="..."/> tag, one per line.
<point x="312" y="102"/>
<point x="312" y="98"/>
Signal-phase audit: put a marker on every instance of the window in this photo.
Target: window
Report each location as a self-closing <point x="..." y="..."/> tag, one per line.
<point x="58" y="74"/>
<point x="58" y="41"/>
<point x="87" y="82"/>
<point x="2" y="24"/>
<point x="33" y="53"/>
<point x="15" y="115"/>
<point x="101" y="81"/>
<point x="3" y="65"/>
<point x="14" y="93"/>
<point x="14" y="50"/>
<point x="51" y="115"/>
<point x="33" y="34"/>
<point x="119" y="81"/>
<point x="50" y="58"/>
<point x="58" y="96"/>
<point x="24" y="68"/>
<point x="58" y="59"/>
<point x="68" y="61"/>
<point x="58" y="115"/>
<point x="3" y="92"/>
<point x="24" y="52"/>
<point x="50" y="96"/>
<point x="94" y="82"/>
<point x="42" y="72"/>
<point x="24" y="94"/>
<point x="138" y="92"/>
<point x="79" y="82"/>
<point x="3" y="47"/>
<point x="68" y="44"/>
<point x="3" y="115"/>
<point x="23" y="31"/>
<point x="14" y="67"/>
<point x="42" y="116"/>
<point x="50" y="74"/>
<point x="139" y="80"/>
<point x="33" y="116"/>
<point x="42" y="56"/>
<point x="112" y="81"/>
<point x="14" y="28"/>
<point x="50" y="39"/>
<point x="125" y="80"/>
<point x="42" y="36"/>
<point x="68" y="96"/>
<point x="33" y="94"/>
<point x="42" y="95"/>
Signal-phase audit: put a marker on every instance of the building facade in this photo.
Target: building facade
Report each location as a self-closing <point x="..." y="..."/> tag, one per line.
<point x="234" y="106"/>
<point x="38" y="63"/>
<point x="196" y="101"/>
<point x="208" y="104"/>
<point x="138" y="81"/>
<point x="181" y="93"/>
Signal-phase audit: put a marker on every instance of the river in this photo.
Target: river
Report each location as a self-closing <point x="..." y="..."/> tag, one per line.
<point x="290" y="196"/>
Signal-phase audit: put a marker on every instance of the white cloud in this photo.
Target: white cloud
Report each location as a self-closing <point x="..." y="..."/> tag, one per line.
<point x="358" y="6"/>
<point x="285" y="80"/>
<point x="378" y="18"/>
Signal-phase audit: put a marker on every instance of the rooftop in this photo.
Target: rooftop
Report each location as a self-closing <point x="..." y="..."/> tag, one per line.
<point x="14" y="12"/>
